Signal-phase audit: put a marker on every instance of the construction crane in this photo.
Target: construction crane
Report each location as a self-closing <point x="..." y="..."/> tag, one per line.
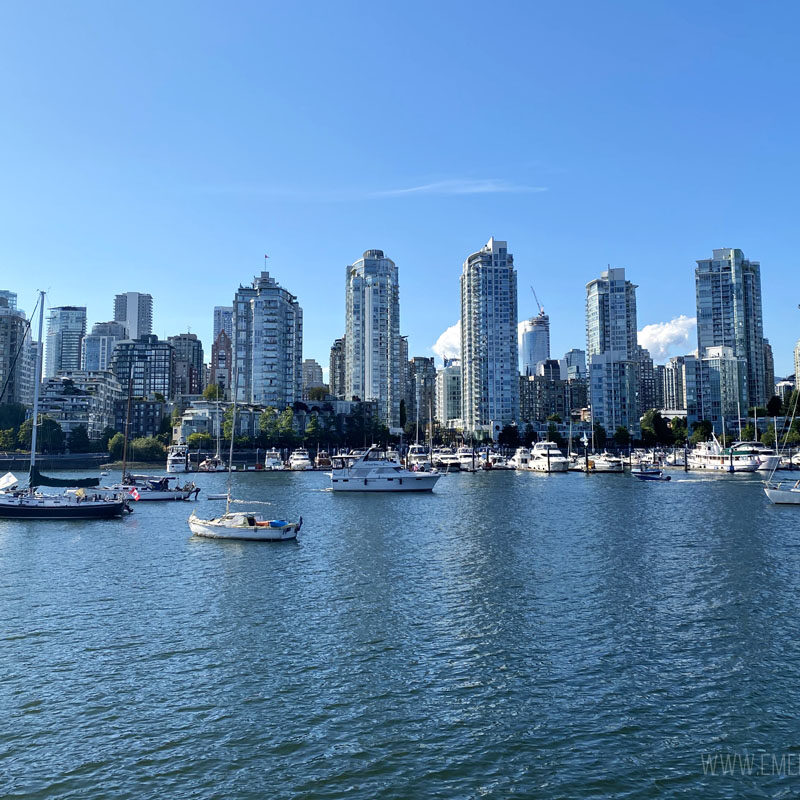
<point x="541" y="308"/>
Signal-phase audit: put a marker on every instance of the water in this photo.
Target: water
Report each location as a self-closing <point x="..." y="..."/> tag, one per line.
<point x="545" y="636"/>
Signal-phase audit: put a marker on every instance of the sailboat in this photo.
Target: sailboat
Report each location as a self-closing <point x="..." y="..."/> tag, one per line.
<point x="27" y="503"/>
<point x="785" y="493"/>
<point x="242" y="525"/>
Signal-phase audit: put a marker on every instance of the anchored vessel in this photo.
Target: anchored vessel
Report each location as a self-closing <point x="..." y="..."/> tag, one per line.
<point x="373" y="472"/>
<point x="245" y="525"/>
<point x="178" y="458"/>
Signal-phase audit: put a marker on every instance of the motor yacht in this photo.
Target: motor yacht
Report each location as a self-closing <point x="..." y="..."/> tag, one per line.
<point x="468" y="459"/>
<point x="299" y="460"/>
<point x="605" y="462"/>
<point x="178" y="458"/>
<point x="546" y="457"/>
<point x="445" y="459"/>
<point x="768" y="459"/>
<point x="521" y="458"/>
<point x="713" y="456"/>
<point x="373" y="472"/>
<point x="418" y="457"/>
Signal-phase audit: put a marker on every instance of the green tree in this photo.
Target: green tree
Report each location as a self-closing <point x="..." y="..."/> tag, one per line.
<point x="200" y="441"/>
<point x="227" y="423"/>
<point x="285" y="428"/>
<point x="655" y="429"/>
<point x="105" y="438"/>
<point x="78" y="440"/>
<point x="748" y="433"/>
<point x="528" y="435"/>
<point x="115" y="446"/>
<point x="768" y="437"/>
<point x="509" y="436"/>
<point x="313" y="430"/>
<point x="600" y="435"/>
<point x="553" y="435"/>
<point x="213" y="392"/>
<point x="622" y="436"/>
<point x="554" y="418"/>
<point x="8" y="439"/>
<point x="12" y="415"/>
<point x="268" y="427"/>
<point x="774" y="406"/>
<point x="679" y="430"/>
<point x="701" y="432"/>
<point x="146" y="449"/>
<point x="50" y="438"/>
<point x="790" y="404"/>
<point x="317" y="393"/>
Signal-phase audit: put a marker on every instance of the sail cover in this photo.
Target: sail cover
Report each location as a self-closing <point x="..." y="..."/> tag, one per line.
<point x="37" y="479"/>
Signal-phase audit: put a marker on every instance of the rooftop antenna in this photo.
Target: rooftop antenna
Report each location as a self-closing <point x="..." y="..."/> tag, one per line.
<point x="541" y="308"/>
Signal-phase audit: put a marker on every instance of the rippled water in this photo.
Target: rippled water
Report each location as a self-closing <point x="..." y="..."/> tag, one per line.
<point x="546" y="636"/>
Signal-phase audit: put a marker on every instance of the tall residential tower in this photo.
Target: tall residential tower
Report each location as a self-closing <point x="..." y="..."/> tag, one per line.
<point x="489" y="351"/>
<point x="372" y="335"/>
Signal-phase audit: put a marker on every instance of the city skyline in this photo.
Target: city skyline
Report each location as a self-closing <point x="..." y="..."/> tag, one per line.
<point x="145" y="184"/>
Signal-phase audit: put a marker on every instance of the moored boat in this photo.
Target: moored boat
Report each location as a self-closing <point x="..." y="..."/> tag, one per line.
<point x="783" y="493"/>
<point x="372" y="472"/>
<point x="178" y="458"/>
<point x="245" y="526"/>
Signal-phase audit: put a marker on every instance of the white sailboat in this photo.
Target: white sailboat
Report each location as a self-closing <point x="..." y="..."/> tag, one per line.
<point x="784" y="493"/>
<point x="242" y="525"/>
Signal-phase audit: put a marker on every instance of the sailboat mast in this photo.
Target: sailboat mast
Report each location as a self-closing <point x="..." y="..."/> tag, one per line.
<point x="37" y="381"/>
<point x="233" y="433"/>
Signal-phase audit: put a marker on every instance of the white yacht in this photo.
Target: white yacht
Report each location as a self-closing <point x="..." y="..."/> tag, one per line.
<point x="212" y="464"/>
<point x="521" y="458"/>
<point x="546" y="457"/>
<point x="605" y="462"/>
<point x="468" y="459"/>
<point x="444" y="458"/>
<point x="373" y="472"/>
<point x="299" y="460"/>
<point x="712" y="456"/>
<point x="768" y="459"/>
<point x="418" y="457"/>
<point x="498" y="461"/>
<point x="178" y="458"/>
<point x="273" y="461"/>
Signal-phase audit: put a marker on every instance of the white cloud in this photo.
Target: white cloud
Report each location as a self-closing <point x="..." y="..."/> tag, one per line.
<point x="448" y="345"/>
<point x="463" y="186"/>
<point x="665" y="339"/>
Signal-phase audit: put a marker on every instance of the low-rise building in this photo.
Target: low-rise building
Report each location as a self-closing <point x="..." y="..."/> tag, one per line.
<point x="80" y="397"/>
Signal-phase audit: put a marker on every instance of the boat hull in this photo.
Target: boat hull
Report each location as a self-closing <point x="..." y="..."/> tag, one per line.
<point x="782" y="497"/>
<point x="208" y="530"/>
<point x="9" y="509"/>
<point x="540" y="465"/>
<point x="418" y="483"/>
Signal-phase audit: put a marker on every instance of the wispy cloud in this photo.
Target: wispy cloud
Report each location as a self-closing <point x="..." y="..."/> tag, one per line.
<point x="448" y="345"/>
<point x="664" y="339"/>
<point x="462" y="186"/>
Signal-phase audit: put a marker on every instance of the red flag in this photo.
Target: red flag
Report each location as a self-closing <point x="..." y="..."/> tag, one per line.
<point x="134" y="493"/>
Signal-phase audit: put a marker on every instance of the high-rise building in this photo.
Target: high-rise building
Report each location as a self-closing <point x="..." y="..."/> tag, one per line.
<point x="267" y="344"/>
<point x="189" y="368"/>
<point x="9" y="297"/>
<point x="66" y="327"/>
<point x="336" y="369"/>
<point x="573" y="365"/>
<point x="535" y="342"/>
<point x="221" y="361"/>
<point x="728" y="288"/>
<point x="148" y="363"/>
<point x="404" y="380"/>
<point x="135" y="311"/>
<point x="372" y="336"/>
<point x="721" y="378"/>
<point x="312" y="374"/>
<point x="16" y="369"/>
<point x="769" y="369"/>
<point x="611" y="347"/>
<point x="97" y="346"/>
<point x="421" y="389"/>
<point x="447" y="406"/>
<point x="489" y="350"/>
<point x="648" y="393"/>
<point x="223" y="321"/>
<point x="797" y="363"/>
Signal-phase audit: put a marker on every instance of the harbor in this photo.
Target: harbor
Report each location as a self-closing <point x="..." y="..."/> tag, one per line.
<point x="502" y="631"/>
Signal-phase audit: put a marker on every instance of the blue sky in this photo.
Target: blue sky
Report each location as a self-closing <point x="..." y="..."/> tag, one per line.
<point x="166" y="147"/>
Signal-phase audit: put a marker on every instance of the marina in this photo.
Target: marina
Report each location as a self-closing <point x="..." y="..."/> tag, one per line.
<point x="467" y="617"/>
